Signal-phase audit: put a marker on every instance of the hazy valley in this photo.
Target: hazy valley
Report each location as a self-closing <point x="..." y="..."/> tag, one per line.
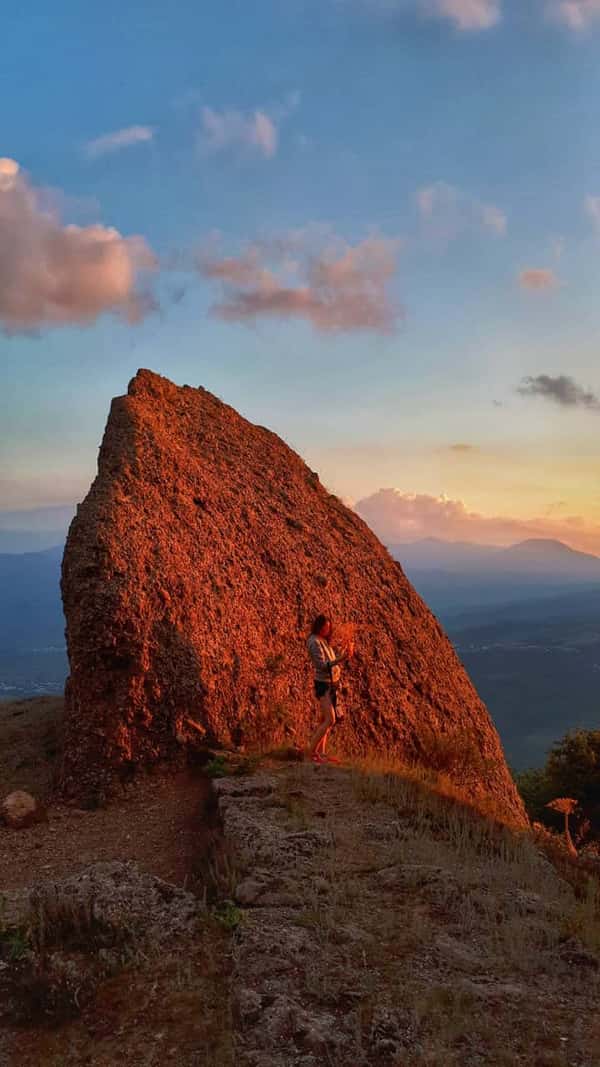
<point x="525" y="622"/>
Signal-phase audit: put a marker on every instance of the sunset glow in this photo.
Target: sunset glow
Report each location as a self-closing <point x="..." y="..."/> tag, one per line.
<point x="372" y="225"/>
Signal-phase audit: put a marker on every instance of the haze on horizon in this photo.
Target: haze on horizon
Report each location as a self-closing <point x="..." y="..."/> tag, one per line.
<point x="372" y="225"/>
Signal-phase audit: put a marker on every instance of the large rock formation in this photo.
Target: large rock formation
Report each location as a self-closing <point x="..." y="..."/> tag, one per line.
<point x="191" y="574"/>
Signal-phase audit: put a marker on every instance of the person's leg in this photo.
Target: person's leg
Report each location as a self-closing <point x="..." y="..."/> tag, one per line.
<point x="332" y="694"/>
<point x="320" y="735"/>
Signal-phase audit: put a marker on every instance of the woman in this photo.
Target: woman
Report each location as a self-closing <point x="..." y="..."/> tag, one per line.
<point x="327" y="674"/>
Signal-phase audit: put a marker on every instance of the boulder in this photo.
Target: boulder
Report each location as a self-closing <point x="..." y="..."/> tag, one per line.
<point x="20" y="809"/>
<point x="191" y="574"/>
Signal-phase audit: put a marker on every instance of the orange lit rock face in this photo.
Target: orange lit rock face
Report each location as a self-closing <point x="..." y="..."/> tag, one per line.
<point x="191" y="574"/>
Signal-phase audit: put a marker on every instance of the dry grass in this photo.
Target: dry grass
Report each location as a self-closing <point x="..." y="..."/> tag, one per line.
<point x="437" y="937"/>
<point x="441" y="937"/>
<point x="77" y="988"/>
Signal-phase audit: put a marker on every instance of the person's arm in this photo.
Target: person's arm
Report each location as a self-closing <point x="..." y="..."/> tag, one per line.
<point x="321" y="660"/>
<point x="340" y="659"/>
<point x="318" y="656"/>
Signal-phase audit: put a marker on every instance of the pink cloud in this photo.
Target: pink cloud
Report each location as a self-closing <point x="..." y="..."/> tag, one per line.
<point x="118" y="139"/>
<point x="396" y="516"/>
<point x="333" y="285"/>
<point x="538" y="279"/>
<point x="51" y="274"/>
<point x="575" y="14"/>
<point x="467" y="16"/>
<point x="447" y="211"/>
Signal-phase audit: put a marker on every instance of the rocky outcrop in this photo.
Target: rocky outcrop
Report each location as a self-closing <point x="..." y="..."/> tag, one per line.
<point x="191" y="573"/>
<point x="371" y="912"/>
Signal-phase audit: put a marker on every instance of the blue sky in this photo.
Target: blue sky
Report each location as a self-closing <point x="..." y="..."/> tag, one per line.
<point x="460" y="136"/>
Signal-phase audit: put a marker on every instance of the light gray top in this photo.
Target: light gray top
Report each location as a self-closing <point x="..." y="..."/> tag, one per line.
<point x="324" y="659"/>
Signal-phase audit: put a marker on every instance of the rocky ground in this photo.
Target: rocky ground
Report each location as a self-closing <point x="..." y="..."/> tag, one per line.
<point x="385" y="925"/>
<point x="290" y="915"/>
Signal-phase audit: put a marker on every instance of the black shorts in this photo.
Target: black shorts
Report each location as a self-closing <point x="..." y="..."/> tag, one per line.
<point x="323" y="687"/>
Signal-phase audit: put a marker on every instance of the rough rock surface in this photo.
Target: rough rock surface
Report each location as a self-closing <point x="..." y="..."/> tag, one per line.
<point x="20" y="809"/>
<point x="437" y="941"/>
<point x="191" y="573"/>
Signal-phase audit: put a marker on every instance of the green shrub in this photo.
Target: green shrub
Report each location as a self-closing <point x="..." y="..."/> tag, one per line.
<point x="536" y="791"/>
<point x="217" y="767"/>
<point x="572" y="770"/>
<point x="228" y="915"/>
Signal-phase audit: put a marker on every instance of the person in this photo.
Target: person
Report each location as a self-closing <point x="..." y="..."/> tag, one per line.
<point x="327" y="675"/>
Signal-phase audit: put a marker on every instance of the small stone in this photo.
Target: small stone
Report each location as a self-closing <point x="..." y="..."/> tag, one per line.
<point x="20" y="809"/>
<point x="248" y="1004"/>
<point x="248" y="892"/>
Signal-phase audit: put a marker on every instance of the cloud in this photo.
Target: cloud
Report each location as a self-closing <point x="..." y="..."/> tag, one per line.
<point x="253" y="131"/>
<point x="308" y="275"/>
<point x="466" y="15"/>
<point x="118" y="139"/>
<point x="561" y="390"/>
<point x="538" y="279"/>
<point x="592" y="208"/>
<point x="396" y="516"/>
<point x="463" y="448"/>
<point x="575" y="14"/>
<point x="51" y="274"/>
<point x="447" y="211"/>
<point x="493" y="219"/>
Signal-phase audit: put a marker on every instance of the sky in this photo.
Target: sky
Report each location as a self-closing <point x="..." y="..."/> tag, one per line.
<point x="372" y="225"/>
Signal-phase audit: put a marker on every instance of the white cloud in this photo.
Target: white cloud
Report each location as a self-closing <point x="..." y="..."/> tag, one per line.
<point x="466" y="15"/>
<point x="447" y="211"/>
<point x="225" y="130"/>
<point x="53" y="274"/>
<point x="118" y="139"/>
<point x="575" y="14"/>
<point x="326" y="281"/>
<point x="592" y="209"/>
<point x="493" y="219"/>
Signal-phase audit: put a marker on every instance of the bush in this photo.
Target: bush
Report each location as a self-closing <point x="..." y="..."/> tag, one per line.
<point x="217" y="767"/>
<point x="572" y="770"/>
<point x="536" y="791"/>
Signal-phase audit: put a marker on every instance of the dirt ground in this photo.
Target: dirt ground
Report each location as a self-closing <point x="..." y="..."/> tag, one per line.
<point x="172" y="1009"/>
<point x="161" y="824"/>
<point x="30" y="734"/>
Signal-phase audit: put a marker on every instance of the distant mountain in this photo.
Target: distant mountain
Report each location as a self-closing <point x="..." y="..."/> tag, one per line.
<point x="542" y="556"/>
<point x="30" y="605"/>
<point x="549" y="557"/>
<point x="431" y="553"/>
<point x="453" y="577"/>
<point x="34" y="529"/>
<point x="17" y="542"/>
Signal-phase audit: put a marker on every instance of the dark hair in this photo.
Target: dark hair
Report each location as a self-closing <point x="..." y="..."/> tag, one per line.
<point x="319" y="623"/>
